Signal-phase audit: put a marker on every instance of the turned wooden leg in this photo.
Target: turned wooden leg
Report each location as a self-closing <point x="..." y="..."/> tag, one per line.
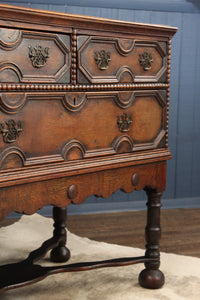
<point x="151" y="277"/>
<point x="61" y="253"/>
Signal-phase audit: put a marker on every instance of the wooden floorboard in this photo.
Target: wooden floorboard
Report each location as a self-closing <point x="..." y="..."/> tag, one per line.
<point x="180" y="229"/>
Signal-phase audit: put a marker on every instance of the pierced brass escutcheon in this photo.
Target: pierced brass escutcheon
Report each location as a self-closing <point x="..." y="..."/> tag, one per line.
<point x="10" y="130"/>
<point x="102" y="59"/>
<point x="38" y="55"/>
<point x="124" y="121"/>
<point x="145" y="60"/>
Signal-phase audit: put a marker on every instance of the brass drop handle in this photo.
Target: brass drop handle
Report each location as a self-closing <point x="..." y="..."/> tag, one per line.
<point x="102" y="59"/>
<point x="145" y="60"/>
<point x="10" y="130"/>
<point x="124" y="121"/>
<point x="38" y="55"/>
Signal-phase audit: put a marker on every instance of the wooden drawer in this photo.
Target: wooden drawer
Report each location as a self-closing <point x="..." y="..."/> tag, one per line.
<point x="27" y="56"/>
<point x="106" y="60"/>
<point x="68" y="126"/>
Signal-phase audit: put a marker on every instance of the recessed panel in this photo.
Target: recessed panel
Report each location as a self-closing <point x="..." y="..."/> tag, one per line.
<point x="34" y="57"/>
<point x="47" y="126"/>
<point x="120" y="60"/>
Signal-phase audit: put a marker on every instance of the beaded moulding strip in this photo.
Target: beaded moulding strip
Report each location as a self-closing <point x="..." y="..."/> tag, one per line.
<point x="168" y="92"/>
<point x="74" y="50"/>
<point x="79" y="87"/>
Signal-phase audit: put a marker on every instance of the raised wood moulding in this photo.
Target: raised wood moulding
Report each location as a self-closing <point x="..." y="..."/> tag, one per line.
<point x="59" y="169"/>
<point x="80" y="87"/>
<point x="57" y="21"/>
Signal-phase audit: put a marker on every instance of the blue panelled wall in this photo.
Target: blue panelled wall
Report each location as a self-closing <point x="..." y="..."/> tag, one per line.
<point x="183" y="173"/>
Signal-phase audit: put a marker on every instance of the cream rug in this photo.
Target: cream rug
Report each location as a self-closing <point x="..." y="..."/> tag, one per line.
<point x="182" y="273"/>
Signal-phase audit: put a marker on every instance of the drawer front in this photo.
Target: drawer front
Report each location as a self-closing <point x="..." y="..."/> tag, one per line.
<point x="103" y="60"/>
<point x="45" y="128"/>
<point x="34" y="57"/>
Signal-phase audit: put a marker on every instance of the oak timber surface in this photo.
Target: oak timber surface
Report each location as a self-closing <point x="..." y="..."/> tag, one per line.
<point x="180" y="229"/>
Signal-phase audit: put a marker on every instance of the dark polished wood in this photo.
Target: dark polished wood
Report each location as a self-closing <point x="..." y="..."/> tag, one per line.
<point x="24" y="273"/>
<point x="84" y="106"/>
<point x="61" y="253"/>
<point x="151" y="277"/>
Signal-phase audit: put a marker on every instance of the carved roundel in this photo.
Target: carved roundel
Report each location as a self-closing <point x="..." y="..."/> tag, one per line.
<point x="12" y="103"/>
<point x="10" y="38"/>
<point x="12" y="157"/>
<point x="125" y="46"/>
<point x="74" y="101"/>
<point x="124" y="99"/>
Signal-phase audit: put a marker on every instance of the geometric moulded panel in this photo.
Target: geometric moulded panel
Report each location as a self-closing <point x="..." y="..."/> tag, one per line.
<point x="85" y="125"/>
<point x="106" y="60"/>
<point x="34" y="57"/>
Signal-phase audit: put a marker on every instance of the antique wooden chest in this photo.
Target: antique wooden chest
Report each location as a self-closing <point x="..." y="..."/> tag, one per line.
<point x="84" y="106"/>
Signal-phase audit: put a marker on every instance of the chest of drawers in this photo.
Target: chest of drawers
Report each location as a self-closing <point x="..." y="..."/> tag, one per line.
<point x="84" y="106"/>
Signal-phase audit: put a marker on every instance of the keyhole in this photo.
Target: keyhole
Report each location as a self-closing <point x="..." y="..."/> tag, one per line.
<point x="74" y="101"/>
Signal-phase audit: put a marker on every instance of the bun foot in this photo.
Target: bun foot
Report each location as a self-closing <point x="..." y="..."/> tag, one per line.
<point x="60" y="254"/>
<point x="151" y="279"/>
